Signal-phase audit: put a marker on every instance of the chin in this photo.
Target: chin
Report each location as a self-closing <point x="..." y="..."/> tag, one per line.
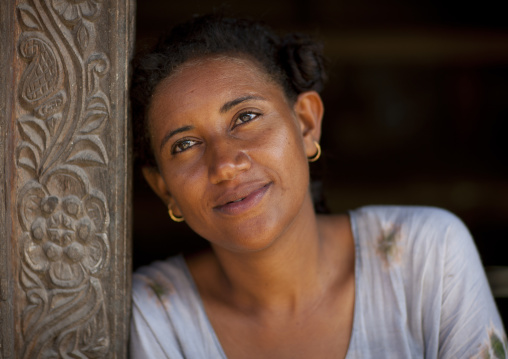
<point x="246" y="245"/>
<point x="259" y="232"/>
<point x="256" y="238"/>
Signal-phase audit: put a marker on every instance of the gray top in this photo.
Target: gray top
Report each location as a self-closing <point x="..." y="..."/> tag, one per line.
<point x="420" y="292"/>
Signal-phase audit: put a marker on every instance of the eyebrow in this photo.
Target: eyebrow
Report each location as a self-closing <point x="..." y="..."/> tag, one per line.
<point x="174" y="132"/>
<point x="224" y="108"/>
<point x="230" y="104"/>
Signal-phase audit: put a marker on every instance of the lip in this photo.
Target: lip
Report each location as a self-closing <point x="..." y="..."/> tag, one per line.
<point x="242" y="199"/>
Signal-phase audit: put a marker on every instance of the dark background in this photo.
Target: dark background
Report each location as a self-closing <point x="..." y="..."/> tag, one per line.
<point x="416" y="110"/>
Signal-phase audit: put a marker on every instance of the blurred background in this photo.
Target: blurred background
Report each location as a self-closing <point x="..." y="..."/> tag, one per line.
<point x="416" y="111"/>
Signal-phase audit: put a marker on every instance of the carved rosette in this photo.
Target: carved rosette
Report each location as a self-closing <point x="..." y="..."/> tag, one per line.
<point x="63" y="215"/>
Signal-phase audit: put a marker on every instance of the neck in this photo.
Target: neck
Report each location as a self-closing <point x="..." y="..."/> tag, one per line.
<point x="290" y="274"/>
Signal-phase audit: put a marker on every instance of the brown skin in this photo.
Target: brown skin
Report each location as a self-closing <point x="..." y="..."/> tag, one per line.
<point x="279" y="282"/>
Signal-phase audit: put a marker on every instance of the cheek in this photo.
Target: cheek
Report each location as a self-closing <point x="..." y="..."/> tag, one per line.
<point x="286" y="144"/>
<point x="184" y="185"/>
<point x="281" y="148"/>
<point x="279" y="135"/>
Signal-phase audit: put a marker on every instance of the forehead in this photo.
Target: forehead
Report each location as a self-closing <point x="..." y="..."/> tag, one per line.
<point x="213" y="69"/>
<point x="208" y="82"/>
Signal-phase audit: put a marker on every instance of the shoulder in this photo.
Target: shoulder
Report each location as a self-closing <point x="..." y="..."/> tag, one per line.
<point x="163" y="290"/>
<point x="168" y="317"/>
<point x="167" y="314"/>
<point x="422" y="263"/>
<point x="159" y="279"/>
<point x="409" y="236"/>
<point x="411" y="223"/>
<point x="158" y="302"/>
<point x="409" y="215"/>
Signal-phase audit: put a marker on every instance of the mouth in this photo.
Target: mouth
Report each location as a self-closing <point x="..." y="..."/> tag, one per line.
<point x="238" y="203"/>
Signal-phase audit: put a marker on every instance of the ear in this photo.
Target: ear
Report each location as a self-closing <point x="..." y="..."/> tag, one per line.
<point x="309" y="110"/>
<point x="157" y="183"/>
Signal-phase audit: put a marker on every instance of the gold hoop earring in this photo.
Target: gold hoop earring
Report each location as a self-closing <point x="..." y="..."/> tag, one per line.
<point x="317" y="155"/>
<point x="173" y="217"/>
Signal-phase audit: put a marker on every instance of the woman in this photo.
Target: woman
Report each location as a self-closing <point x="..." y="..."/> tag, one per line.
<point x="230" y="116"/>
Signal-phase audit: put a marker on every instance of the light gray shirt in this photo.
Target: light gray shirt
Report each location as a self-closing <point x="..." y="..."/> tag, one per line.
<point x="420" y="292"/>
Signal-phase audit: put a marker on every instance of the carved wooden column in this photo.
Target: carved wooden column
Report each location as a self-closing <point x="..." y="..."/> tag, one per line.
<point x="65" y="178"/>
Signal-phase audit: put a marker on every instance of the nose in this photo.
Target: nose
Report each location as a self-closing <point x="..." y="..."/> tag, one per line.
<point x="226" y="161"/>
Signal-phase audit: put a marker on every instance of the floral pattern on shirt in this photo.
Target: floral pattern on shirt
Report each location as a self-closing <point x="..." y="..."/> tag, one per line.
<point x="495" y="347"/>
<point x="159" y="287"/>
<point x="389" y="246"/>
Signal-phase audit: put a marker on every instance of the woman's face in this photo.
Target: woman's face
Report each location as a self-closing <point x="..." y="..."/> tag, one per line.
<point x="232" y="152"/>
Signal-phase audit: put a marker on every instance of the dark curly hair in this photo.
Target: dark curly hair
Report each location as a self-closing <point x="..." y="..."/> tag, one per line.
<point x="293" y="61"/>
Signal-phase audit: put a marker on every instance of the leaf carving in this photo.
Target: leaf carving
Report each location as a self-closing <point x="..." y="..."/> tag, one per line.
<point x="53" y="122"/>
<point x="28" y="18"/>
<point x="94" y="120"/>
<point x="36" y="295"/>
<point x="34" y="131"/>
<point x="82" y="37"/>
<point x="28" y="157"/>
<point x="94" y="336"/>
<point x="88" y="150"/>
<point x="97" y="113"/>
<point x="29" y="280"/>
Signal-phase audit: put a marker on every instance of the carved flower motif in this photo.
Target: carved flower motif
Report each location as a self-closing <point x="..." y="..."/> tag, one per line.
<point x="65" y="224"/>
<point x="64" y="240"/>
<point x="72" y="10"/>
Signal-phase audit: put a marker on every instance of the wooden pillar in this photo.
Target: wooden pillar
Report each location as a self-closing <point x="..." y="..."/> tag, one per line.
<point x="65" y="175"/>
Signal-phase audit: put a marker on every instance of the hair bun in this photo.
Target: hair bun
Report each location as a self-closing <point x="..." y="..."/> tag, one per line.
<point x="303" y="60"/>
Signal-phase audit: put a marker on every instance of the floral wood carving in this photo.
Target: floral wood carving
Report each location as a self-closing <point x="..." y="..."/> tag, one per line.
<point x="63" y="218"/>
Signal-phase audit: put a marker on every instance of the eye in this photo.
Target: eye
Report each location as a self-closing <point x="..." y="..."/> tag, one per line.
<point x="183" y="145"/>
<point x="245" y="117"/>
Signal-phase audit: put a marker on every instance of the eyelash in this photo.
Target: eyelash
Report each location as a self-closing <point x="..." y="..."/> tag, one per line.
<point x="190" y="143"/>
<point x="174" y="149"/>
<point x="252" y="115"/>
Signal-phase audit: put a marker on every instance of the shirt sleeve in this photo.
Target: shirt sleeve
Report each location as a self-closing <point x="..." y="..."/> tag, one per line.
<point x="143" y="344"/>
<point x="151" y="335"/>
<point x="470" y="325"/>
